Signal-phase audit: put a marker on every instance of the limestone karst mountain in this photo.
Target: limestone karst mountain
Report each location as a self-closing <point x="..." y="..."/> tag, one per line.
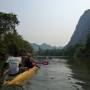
<point x="83" y="27"/>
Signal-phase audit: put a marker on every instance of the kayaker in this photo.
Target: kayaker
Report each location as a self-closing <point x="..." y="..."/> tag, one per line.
<point x="13" y="62"/>
<point x="28" y="61"/>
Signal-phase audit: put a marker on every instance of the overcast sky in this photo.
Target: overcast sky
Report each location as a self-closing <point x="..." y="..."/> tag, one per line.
<point x="46" y="21"/>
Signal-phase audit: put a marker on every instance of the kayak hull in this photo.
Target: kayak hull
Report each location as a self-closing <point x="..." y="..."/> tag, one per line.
<point x="22" y="77"/>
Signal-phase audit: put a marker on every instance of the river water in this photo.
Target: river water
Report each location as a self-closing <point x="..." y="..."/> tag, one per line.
<point x="60" y="74"/>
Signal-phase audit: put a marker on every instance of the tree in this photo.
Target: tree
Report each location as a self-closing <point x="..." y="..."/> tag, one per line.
<point x="10" y="40"/>
<point x="8" y="22"/>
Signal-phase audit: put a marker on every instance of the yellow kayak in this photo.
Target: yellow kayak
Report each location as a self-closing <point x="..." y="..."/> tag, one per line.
<point x="21" y="78"/>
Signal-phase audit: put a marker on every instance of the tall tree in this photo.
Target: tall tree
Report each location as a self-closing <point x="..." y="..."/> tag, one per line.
<point x="10" y="40"/>
<point x="8" y="22"/>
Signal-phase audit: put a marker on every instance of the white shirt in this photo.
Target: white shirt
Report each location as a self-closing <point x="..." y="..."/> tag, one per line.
<point x="13" y="64"/>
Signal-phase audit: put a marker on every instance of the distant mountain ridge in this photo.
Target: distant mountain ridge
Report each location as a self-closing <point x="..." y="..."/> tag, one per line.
<point x="83" y="27"/>
<point x="43" y="46"/>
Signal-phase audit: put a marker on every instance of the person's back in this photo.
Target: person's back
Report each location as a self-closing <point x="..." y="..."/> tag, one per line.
<point x="28" y="63"/>
<point x="13" y="64"/>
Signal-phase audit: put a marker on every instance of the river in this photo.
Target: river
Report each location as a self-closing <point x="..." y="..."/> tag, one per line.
<point x="60" y="74"/>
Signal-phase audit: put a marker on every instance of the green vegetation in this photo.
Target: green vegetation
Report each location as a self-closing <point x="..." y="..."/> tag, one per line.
<point x="10" y="40"/>
<point x="79" y="50"/>
<point x="50" y="52"/>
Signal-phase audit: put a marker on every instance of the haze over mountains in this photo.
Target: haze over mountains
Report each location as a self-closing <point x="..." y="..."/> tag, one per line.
<point x="82" y="29"/>
<point x="43" y="46"/>
<point x="79" y="36"/>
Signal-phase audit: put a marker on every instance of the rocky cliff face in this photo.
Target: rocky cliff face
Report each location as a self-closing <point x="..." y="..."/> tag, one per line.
<point x="82" y="29"/>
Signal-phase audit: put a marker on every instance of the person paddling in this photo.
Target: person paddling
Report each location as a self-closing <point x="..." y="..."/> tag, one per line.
<point x="29" y="62"/>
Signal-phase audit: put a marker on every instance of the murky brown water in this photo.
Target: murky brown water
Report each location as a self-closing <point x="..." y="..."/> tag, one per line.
<point x="60" y="74"/>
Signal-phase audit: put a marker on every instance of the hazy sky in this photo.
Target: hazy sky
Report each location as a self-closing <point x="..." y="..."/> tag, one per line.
<point x="49" y="21"/>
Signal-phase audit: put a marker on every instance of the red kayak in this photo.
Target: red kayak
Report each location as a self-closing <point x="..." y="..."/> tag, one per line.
<point x="45" y="63"/>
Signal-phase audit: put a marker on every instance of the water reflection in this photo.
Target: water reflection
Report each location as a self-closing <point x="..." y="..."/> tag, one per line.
<point x="80" y="72"/>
